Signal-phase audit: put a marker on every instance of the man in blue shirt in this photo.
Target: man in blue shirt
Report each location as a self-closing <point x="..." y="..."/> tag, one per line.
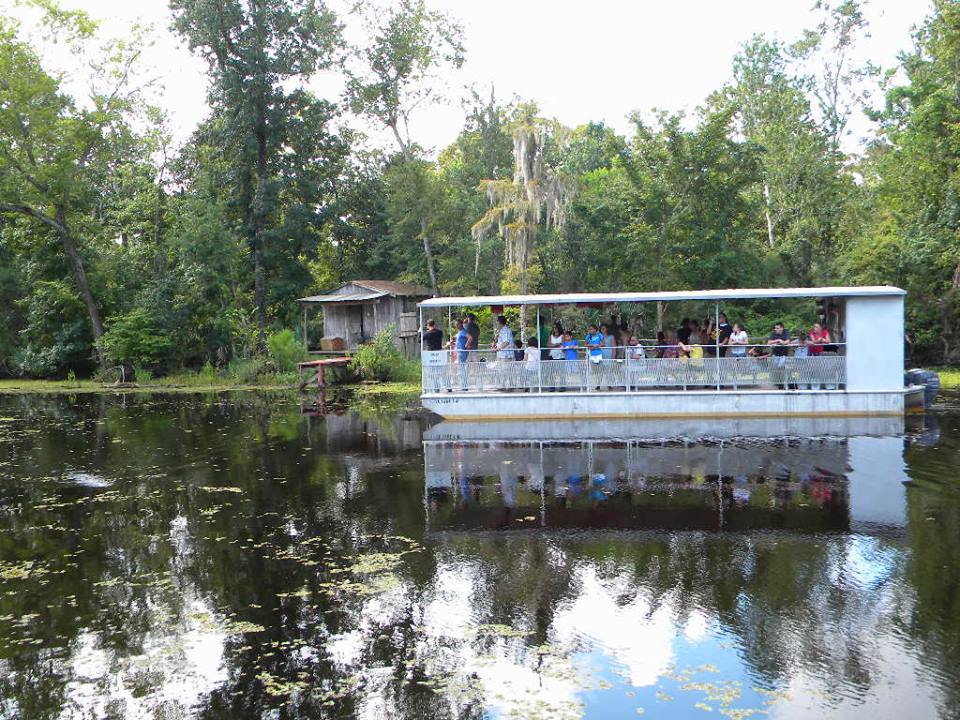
<point x="463" y="342"/>
<point x="463" y="352"/>
<point x="593" y="341"/>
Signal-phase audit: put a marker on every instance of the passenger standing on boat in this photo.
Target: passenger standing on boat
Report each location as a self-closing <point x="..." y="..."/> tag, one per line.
<point x="738" y="341"/>
<point x="669" y="348"/>
<point x="503" y="343"/>
<point x="661" y="347"/>
<point x="531" y="363"/>
<point x="594" y="341"/>
<point x="463" y="354"/>
<point x="543" y="341"/>
<point x="473" y="330"/>
<point x="609" y="343"/>
<point x="724" y="331"/>
<point x="635" y="350"/>
<point x="709" y="337"/>
<point x="571" y="376"/>
<point x="819" y="336"/>
<point x="683" y="332"/>
<point x="433" y="337"/>
<point x="518" y="351"/>
<point x="462" y="340"/>
<point x="623" y="335"/>
<point x="690" y="350"/>
<point x="696" y="338"/>
<point x="780" y="341"/>
<point x="555" y="342"/>
<point x="433" y="341"/>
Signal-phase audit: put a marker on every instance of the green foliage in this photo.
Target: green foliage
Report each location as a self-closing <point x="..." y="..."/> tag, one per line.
<point x="277" y="158"/>
<point x="59" y="151"/>
<point x="135" y="339"/>
<point x="285" y="350"/>
<point x="381" y="359"/>
<point x="249" y="372"/>
<point x="409" y="43"/>
<point x="183" y="260"/>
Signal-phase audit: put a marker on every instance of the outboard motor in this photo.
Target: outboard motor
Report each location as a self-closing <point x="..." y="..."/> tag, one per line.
<point x="928" y="379"/>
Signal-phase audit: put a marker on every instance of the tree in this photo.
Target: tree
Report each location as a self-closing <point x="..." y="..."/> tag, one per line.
<point x="837" y="82"/>
<point x="52" y="146"/>
<point x="802" y="190"/>
<point x="912" y="169"/>
<point x="256" y="51"/>
<point x="409" y="44"/>
<point x="537" y="196"/>
<point x="689" y="223"/>
<point x="399" y="68"/>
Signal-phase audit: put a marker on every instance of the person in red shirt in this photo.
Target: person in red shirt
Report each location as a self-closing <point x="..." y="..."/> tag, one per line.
<point x="819" y="336"/>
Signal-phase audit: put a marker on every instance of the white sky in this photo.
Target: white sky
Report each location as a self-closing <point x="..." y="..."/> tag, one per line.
<point x="579" y="61"/>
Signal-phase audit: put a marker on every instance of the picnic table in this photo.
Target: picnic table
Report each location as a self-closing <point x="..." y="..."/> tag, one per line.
<point x="317" y="367"/>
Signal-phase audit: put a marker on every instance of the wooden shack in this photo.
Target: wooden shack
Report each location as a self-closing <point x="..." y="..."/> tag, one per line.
<point x="355" y="312"/>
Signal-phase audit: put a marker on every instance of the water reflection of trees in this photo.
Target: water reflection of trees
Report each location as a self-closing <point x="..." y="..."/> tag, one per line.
<point x="149" y="564"/>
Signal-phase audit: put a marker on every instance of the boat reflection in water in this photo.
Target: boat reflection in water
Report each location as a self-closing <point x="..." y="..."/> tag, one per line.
<point x="804" y="475"/>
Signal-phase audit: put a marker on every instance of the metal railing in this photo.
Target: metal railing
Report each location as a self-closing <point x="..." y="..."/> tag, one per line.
<point x="489" y="371"/>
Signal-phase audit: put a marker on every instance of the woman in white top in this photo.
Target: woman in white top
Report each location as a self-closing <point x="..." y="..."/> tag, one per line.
<point x="696" y="336"/>
<point x="738" y="341"/>
<point x="531" y="354"/>
<point x="531" y="363"/>
<point x="556" y="342"/>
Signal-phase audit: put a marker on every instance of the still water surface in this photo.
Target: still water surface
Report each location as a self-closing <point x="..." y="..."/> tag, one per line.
<point x="227" y="556"/>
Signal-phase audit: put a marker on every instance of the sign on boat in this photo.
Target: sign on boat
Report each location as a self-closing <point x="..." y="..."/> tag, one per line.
<point x="860" y="372"/>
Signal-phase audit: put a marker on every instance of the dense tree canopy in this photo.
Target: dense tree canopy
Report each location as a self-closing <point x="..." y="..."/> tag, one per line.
<point x="118" y="247"/>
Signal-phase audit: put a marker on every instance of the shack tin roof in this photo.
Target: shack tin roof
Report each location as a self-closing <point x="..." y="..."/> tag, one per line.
<point x="668" y="296"/>
<point x="365" y="290"/>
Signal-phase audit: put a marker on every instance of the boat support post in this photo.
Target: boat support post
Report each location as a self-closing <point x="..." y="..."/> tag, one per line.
<point x="540" y="350"/>
<point x="716" y="347"/>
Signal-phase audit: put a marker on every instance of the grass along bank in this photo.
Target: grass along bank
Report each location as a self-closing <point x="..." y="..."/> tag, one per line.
<point x="949" y="377"/>
<point x="182" y="382"/>
<point x="202" y="382"/>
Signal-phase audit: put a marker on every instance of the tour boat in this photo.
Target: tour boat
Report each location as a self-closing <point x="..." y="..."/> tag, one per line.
<point x="860" y="372"/>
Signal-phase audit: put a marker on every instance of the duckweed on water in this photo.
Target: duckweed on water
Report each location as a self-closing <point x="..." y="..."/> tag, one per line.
<point x="23" y="570"/>
<point x="319" y="585"/>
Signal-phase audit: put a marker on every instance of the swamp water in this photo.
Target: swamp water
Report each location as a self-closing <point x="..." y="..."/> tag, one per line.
<point x="228" y="556"/>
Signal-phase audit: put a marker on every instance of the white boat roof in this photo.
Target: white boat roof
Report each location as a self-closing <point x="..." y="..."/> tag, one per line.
<point x="670" y="295"/>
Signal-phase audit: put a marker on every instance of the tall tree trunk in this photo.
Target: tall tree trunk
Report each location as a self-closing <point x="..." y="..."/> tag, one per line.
<point x="428" y="252"/>
<point x="259" y="227"/>
<point x="260" y="295"/>
<point x="766" y="212"/>
<point x="524" y="262"/>
<point x="83" y="285"/>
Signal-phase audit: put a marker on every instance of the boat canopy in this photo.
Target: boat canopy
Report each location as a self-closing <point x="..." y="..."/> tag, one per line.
<point x="668" y="296"/>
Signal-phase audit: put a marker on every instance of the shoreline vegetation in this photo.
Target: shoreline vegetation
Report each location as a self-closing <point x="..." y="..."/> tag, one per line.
<point x="200" y="382"/>
<point x="122" y="244"/>
<point x="197" y="382"/>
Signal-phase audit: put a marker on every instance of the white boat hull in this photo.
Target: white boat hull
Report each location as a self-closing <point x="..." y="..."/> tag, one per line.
<point x="689" y="404"/>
